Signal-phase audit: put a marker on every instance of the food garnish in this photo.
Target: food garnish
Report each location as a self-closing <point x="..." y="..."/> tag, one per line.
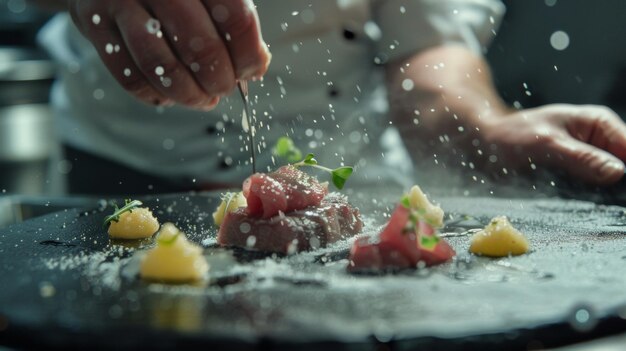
<point x="129" y="206"/>
<point x="339" y="176"/>
<point x="285" y="148"/>
<point x="135" y="223"/>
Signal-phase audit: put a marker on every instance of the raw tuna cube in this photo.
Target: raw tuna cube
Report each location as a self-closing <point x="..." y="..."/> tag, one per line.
<point x="285" y="190"/>
<point x="310" y="228"/>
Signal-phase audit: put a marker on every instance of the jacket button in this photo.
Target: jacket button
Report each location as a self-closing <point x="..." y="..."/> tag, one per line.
<point x="333" y="92"/>
<point x="211" y="129"/>
<point x="349" y="34"/>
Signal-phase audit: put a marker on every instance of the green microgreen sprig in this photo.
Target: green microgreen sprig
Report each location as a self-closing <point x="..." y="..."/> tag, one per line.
<point x="129" y="206"/>
<point x="429" y="242"/>
<point x="285" y="148"/>
<point x="339" y="176"/>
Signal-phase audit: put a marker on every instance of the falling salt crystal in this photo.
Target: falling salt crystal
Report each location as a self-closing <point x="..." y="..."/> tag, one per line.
<point x="127" y="72"/>
<point x="98" y="94"/>
<point x="244" y="123"/>
<point x="245" y="228"/>
<point x="95" y="19"/>
<point x="46" y="289"/>
<point x="408" y="84"/>
<point x="116" y="48"/>
<point x="295" y="13"/>
<point x="307" y="16"/>
<point x="195" y="67"/>
<point x="583" y="318"/>
<point x="227" y="37"/>
<point x="372" y="30"/>
<point x="314" y="242"/>
<point x="402" y="9"/>
<point x="166" y="81"/>
<point x="153" y="26"/>
<point x="108" y="48"/>
<point x="292" y="248"/>
<point x="250" y="241"/>
<point x="159" y="70"/>
<point x="168" y="144"/>
<point x="559" y="40"/>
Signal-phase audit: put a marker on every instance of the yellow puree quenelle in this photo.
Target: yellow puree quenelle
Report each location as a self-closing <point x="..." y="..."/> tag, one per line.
<point x="499" y="239"/>
<point x="174" y="258"/>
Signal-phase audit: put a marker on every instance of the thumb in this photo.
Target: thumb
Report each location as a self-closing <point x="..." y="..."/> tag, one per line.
<point x="587" y="162"/>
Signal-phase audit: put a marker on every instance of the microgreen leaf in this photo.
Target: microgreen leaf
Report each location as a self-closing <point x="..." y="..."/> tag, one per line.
<point x="340" y="176"/>
<point x="310" y="160"/>
<point x="405" y="201"/>
<point x="429" y="242"/>
<point x="129" y="206"/>
<point x="169" y="240"/>
<point x="285" y="148"/>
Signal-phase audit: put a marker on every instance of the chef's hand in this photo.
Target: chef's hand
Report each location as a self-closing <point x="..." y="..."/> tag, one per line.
<point x="189" y="52"/>
<point x="588" y="142"/>
<point x="456" y="115"/>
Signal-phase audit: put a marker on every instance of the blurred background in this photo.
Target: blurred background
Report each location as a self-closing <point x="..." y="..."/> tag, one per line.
<point x="26" y="126"/>
<point x="546" y="51"/>
<point x="30" y="182"/>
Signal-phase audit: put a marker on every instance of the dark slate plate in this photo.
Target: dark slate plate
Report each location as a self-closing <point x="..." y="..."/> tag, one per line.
<point x="64" y="283"/>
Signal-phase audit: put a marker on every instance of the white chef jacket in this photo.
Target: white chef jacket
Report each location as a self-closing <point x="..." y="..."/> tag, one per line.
<point x="324" y="89"/>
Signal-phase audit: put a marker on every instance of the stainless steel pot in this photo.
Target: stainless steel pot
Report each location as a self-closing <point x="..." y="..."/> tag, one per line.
<point x="27" y="138"/>
<point x="26" y="133"/>
<point x="26" y="76"/>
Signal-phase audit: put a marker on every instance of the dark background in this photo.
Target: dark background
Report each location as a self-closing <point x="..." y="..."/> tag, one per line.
<point x="591" y="70"/>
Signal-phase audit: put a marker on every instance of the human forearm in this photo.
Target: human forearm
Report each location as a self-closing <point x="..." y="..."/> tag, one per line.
<point x="451" y="99"/>
<point x="454" y="112"/>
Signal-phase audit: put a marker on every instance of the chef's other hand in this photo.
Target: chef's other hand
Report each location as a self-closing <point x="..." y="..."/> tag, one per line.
<point x="588" y="142"/>
<point x="189" y="52"/>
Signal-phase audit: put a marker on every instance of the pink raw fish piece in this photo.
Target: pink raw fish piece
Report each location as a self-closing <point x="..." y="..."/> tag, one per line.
<point x="285" y="190"/>
<point x="310" y="228"/>
<point x="399" y="248"/>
